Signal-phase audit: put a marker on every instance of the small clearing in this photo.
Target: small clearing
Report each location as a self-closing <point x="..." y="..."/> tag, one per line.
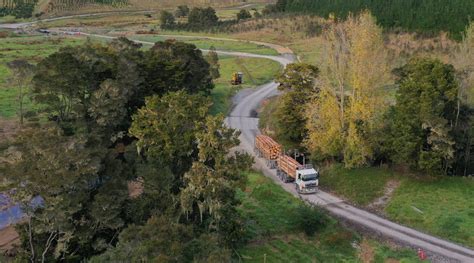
<point x="8" y="239"/>
<point x="8" y="128"/>
<point x="380" y="203"/>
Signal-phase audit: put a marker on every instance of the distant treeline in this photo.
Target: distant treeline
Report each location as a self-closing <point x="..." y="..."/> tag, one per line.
<point x="60" y="5"/>
<point x="25" y="8"/>
<point x="17" y="8"/>
<point x="415" y="15"/>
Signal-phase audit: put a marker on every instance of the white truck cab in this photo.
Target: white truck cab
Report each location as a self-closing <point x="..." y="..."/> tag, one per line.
<point x="307" y="180"/>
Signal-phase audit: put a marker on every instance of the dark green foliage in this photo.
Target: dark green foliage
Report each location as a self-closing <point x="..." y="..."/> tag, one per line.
<point x="428" y="122"/>
<point x="182" y="11"/>
<point x="213" y="60"/>
<point x="416" y="15"/>
<point x="309" y="219"/>
<point x="162" y="239"/>
<point x="298" y="84"/>
<point x="82" y="158"/>
<point x="166" y="20"/>
<point x="202" y="18"/>
<point x="18" y="8"/>
<point x="97" y="87"/>
<point x="173" y="66"/>
<point x="243" y="14"/>
<point x="166" y="129"/>
<point x="83" y="189"/>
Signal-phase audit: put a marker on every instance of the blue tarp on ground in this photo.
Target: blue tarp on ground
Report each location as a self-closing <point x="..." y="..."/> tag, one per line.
<point x="12" y="213"/>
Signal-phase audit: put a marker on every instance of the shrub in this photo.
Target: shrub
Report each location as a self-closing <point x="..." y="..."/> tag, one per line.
<point x="309" y="219"/>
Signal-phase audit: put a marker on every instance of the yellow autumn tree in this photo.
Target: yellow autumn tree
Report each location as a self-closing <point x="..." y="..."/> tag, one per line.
<point x="463" y="61"/>
<point x="326" y="136"/>
<point x="368" y="73"/>
<point x="354" y="71"/>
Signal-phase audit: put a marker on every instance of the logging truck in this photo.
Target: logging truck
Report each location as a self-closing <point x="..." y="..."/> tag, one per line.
<point x="305" y="177"/>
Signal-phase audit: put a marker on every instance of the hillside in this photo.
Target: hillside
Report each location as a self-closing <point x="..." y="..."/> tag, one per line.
<point x="415" y="15"/>
<point x="57" y="7"/>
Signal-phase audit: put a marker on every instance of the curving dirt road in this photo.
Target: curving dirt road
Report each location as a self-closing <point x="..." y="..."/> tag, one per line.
<point x="243" y="118"/>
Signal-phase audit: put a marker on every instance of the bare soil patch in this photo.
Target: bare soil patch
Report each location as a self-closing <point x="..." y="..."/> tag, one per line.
<point x="8" y="239"/>
<point x="8" y="128"/>
<point x="380" y="203"/>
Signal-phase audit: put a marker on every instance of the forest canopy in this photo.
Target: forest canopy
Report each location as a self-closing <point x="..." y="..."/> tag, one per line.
<point x="415" y="15"/>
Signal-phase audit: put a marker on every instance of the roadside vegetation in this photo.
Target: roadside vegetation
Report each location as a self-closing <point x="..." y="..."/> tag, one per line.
<point x="257" y="71"/>
<point x="409" y="198"/>
<point x="412" y="115"/>
<point x="31" y="49"/>
<point x="274" y="234"/>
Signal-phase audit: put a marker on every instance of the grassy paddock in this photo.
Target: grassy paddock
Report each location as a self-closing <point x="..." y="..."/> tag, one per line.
<point x="32" y="49"/>
<point x="261" y="70"/>
<point x="269" y="212"/>
<point x="360" y="186"/>
<point x="224" y="45"/>
<point x="442" y="206"/>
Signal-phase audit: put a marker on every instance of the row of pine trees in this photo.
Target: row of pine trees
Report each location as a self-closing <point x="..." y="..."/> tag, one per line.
<point x="426" y="16"/>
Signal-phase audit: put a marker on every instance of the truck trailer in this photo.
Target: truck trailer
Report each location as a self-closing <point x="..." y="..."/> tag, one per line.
<point x="305" y="177"/>
<point x="267" y="148"/>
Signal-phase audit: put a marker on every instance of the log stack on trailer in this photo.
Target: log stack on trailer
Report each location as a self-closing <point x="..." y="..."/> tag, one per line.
<point x="267" y="148"/>
<point x="305" y="177"/>
<point x="287" y="168"/>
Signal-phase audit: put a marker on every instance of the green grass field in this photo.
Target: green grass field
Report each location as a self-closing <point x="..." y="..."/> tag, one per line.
<point x="360" y="186"/>
<point x="261" y="71"/>
<point x="442" y="206"/>
<point x="32" y="49"/>
<point x="269" y="212"/>
<point x="224" y="45"/>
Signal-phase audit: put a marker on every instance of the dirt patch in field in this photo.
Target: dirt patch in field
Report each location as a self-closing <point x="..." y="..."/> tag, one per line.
<point x="380" y="203"/>
<point x="8" y="239"/>
<point x="8" y="128"/>
<point x="366" y="252"/>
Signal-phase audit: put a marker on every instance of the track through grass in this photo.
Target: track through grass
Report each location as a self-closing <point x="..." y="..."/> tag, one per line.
<point x="270" y="211"/>
<point x="441" y="206"/>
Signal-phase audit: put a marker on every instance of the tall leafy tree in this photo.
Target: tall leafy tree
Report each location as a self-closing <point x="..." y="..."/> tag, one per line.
<point x="200" y="18"/>
<point x="76" y="183"/>
<point x="213" y="59"/>
<point x="181" y="11"/>
<point x="243" y="14"/>
<point x="22" y="74"/>
<point x="352" y="79"/>
<point x="422" y="121"/>
<point x="166" y="128"/>
<point x="367" y="75"/>
<point x="172" y="66"/>
<point x="209" y="195"/>
<point x="463" y="62"/>
<point x="166" y="19"/>
<point x="298" y="83"/>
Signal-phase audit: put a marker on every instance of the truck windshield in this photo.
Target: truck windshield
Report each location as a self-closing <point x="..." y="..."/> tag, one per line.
<point x="310" y="177"/>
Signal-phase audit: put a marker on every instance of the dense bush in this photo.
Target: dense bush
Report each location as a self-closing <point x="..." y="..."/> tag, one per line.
<point x="18" y="8"/>
<point x="309" y="219"/>
<point x="416" y="15"/>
